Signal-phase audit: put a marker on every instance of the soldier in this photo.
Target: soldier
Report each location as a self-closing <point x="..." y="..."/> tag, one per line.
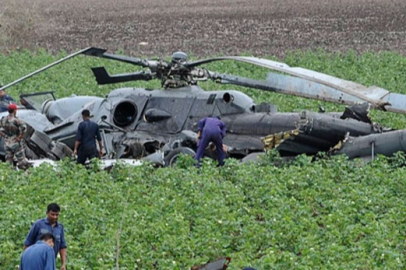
<point x="13" y="130"/>
<point x="5" y="100"/>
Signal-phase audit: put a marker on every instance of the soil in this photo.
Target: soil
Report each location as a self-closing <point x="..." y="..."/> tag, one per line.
<point x="202" y="28"/>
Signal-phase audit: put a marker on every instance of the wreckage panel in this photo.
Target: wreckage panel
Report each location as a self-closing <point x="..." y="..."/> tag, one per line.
<point x="260" y="124"/>
<point x="243" y="144"/>
<point x="331" y="128"/>
<point x="386" y="144"/>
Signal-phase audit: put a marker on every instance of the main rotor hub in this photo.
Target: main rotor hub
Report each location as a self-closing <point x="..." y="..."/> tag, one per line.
<point x="179" y="57"/>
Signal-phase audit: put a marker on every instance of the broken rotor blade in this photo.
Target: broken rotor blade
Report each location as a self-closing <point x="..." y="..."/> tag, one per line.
<point x="311" y="84"/>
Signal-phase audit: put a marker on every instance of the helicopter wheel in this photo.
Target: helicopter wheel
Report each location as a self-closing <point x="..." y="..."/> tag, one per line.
<point x="172" y="156"/>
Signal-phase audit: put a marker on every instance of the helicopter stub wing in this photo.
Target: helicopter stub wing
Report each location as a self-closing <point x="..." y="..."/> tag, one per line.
<point x="311" y="84"/>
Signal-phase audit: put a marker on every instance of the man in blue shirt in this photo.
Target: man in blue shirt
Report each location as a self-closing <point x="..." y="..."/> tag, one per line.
<point x="86" y="136"/>
<point x="39" y="256"/>
<point x="51" y="225"/>
<point x="211" y="129"/>
<point x="5" y="100"/>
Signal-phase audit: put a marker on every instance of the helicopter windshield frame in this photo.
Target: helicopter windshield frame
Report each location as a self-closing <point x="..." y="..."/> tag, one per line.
<point x="35" y="100"/>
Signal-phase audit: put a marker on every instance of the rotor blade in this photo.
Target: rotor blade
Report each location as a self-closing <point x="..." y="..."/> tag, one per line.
<point x="93" y="51"/>
<point x="352" y="92"/>
<point x="290" y="85"/>
<point x="102" y="76"/>
<point x="97" y="52"/>
<point x="46" y="67"/>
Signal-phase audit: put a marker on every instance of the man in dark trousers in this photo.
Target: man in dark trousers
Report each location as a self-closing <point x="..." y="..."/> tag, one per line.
<point x="39" y="256"/>
<point x="51" y="225"/>
<point x="87" y="134"/>
<point x="211" y="129"/>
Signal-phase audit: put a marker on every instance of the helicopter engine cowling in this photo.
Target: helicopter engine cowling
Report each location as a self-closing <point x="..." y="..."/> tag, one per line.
<point x="125" y="113"/>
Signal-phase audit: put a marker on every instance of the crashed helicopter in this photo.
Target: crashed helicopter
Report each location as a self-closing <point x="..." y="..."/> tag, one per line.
<point x="158" y="125"/>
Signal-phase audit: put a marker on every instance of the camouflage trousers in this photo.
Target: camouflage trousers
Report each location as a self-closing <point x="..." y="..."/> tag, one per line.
<point x="15" y="149"/>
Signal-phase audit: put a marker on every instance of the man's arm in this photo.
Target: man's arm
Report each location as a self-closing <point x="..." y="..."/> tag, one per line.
<point x="78" y="139"/>
<point x="201" y="124"/>
<point x="62" y="252"/>
<point x="199" y="136"/>
<point x="21" y="262"/>
<point x="100" y="148"/>
<point x="75" y="149"/>
<point x="2" y="134"/>
<point x="99" y="140"/>
<point x="50" y="263"/>
<point x="31" y="237"/>
<point x="22" y="127"/>
<point x="62" y="249"/>
<point x="223" y="130"/>
<point x="8" y="98"/>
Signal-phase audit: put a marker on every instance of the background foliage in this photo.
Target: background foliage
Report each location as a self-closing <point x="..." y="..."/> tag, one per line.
<point x="327" y="213"/>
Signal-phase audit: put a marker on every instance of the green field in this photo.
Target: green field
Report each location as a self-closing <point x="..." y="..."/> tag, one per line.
<point x="328" y="214"/>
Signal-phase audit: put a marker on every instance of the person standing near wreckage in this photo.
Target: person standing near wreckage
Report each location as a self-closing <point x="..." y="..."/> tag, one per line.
<point x="5" y="100"/>
<point x="87" y="134"/>
<point x="211" y="129"/>
<point x="13" y="130"/>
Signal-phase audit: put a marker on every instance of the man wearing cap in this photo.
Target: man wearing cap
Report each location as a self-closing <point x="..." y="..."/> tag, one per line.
<point x="87" y="134"/>
<point x="5" y="100"/>
<point x="211" y="129"/>
<point x="12" y="130"/>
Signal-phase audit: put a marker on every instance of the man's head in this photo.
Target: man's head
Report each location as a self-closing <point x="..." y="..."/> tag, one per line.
<point x="2" y="92"/>
<point x="53" y="212"/>
<point x="85" y="114"/>
<point x="12" y="108"/>
<point x="48" y="238"/>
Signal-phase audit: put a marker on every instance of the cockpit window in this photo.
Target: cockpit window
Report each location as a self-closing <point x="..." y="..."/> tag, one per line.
<point x="34" y="101"/>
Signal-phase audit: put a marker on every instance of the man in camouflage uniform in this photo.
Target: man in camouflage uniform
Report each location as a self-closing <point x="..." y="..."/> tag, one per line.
<point x="12" y="130"/>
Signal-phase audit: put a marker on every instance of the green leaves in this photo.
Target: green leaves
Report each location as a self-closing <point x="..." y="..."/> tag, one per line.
<point x="328" y="213"/>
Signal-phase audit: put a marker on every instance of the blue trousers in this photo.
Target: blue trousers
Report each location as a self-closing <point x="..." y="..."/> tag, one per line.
<point x="208" y="136"/>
